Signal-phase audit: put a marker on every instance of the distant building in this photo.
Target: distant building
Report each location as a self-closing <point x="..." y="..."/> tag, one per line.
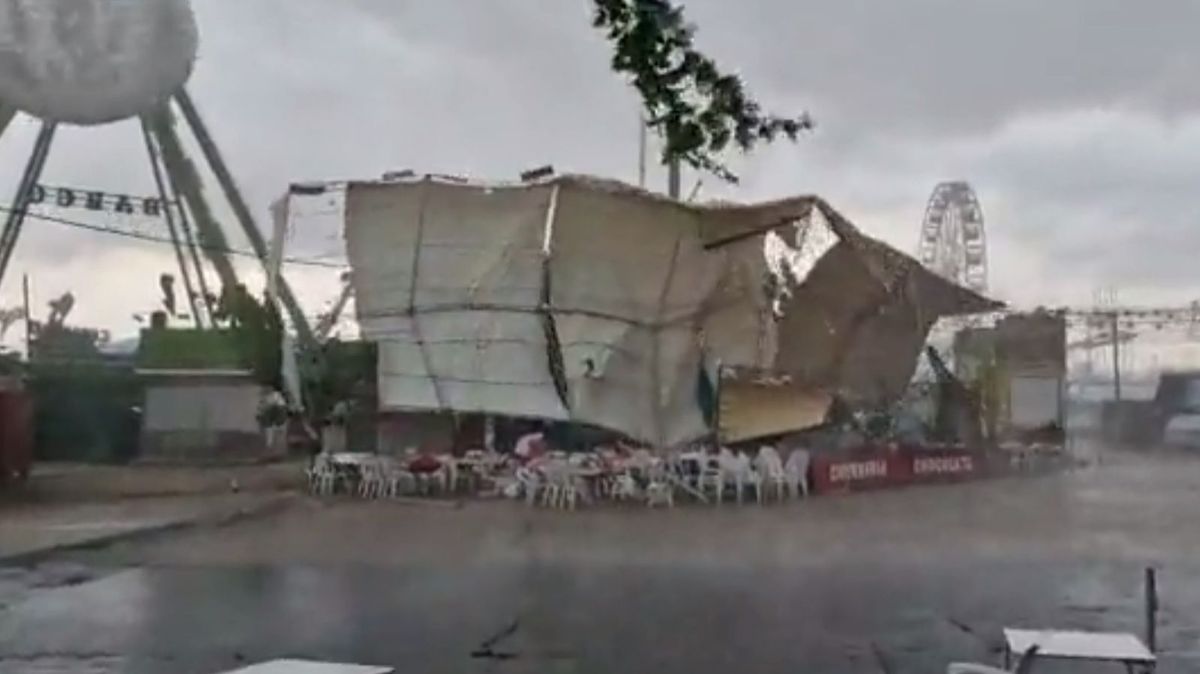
<point x="1020" y="368"/>
<point x="201" y="399"/>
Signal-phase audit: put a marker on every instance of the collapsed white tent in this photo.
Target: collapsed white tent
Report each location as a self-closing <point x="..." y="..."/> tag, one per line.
<point x="569" y="299"/>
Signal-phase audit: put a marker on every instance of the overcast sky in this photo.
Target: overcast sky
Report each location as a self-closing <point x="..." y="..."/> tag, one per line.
<point x="1076" y="121"/>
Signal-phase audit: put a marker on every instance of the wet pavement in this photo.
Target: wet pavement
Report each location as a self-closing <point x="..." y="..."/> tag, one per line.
<point x="30" y="529"/>
<point x="890" y="582"/>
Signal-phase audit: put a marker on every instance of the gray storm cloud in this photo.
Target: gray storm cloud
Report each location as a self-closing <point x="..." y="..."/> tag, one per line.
<point x="1076" y="121"/>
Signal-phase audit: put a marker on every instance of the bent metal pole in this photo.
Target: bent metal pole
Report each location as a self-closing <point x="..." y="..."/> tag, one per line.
<point x="169" y="217"/>
<point x="234" y="196"/>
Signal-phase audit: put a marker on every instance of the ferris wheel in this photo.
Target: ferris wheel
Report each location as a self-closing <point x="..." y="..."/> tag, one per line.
<point x="953" y="242"/>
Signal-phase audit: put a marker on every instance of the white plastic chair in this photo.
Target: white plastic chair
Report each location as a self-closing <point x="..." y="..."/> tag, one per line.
<point x="447" y="477"/>
<point x="397" y="481"/>
<point x="711" y="478"/>
<point x="623" y="488"/>
<point x="660" y="494"/>
<point x="603" y="486"/>
<point x="434" y="482"/>
<point x="796" y="470"/>
<point x="382" y="477"/>
<point x="660" y="491"/>
<point x="680" y="469"/>
<point x="530" y="483"/>
<point x="312" y="474"/>
<point x="371" y="483"/>
<point x="365" y="478"/>
<point x="770" y="468"/>
<point x="458" y="478"/>
<point x="322" y="477"/>
<point x="746" y="476"/>
<point x="560" y="490"/>
<point x="551" y="494"/>
<point x="731" y="472"/>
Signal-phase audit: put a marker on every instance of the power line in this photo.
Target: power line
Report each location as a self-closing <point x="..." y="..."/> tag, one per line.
<point x="1156" y="315"/>
<point x="141" y="236"/>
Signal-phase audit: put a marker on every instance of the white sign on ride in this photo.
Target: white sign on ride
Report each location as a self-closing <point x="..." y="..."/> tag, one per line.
<point x="93" y="61"/>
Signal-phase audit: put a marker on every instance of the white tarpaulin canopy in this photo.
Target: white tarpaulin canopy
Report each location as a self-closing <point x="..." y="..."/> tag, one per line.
<point x="93" y="61"/>
<point x="569" y="299"/>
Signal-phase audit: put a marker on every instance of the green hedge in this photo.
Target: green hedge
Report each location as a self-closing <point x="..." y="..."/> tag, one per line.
<point x="85" y="412"/>
<point x="175" y="349"/>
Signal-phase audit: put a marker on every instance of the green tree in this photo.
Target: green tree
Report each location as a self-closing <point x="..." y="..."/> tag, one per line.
<point x="698" y="109"/>
<point x="257" y="328"/>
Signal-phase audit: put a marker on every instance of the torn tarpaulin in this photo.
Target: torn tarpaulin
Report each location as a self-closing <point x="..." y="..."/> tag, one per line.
<point x="856" y="323"/>
<point x="454" y="280"/>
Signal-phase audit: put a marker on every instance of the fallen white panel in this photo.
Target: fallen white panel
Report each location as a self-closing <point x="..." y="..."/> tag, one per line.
<point x="491" y="361"/>
<point x="381" y="242"/>
<point x="426" y="245"/>
<point x="404" y="381"/>
<point x="738" y="321"/>
<point x="481" y="248"/>
<point x="617" y="392"/>
<point x="614" y="255"/>
<point x="309" y="667"/>
<point x="680" y="416"/>
<point x="469" y="361"/>
<point x="630" y="290"/>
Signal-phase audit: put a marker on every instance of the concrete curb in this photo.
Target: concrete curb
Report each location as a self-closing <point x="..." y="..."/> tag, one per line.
<point x="266" y="508"/>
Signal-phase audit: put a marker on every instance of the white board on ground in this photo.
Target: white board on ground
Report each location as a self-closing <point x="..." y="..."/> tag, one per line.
<point x="309" y="667"/>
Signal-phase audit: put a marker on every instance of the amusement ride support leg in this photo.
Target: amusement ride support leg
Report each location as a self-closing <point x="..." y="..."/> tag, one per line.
<point x="234" y="197"/>
<point x="185" y="181"/>
<point x="16" y="212"/>
<point x="189" y="239"/>
<point x="176" y="242"/>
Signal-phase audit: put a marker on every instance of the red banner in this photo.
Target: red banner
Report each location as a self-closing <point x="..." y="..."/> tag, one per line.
<point x="16" y="435"/>
<point x="890" y="466"/>
<point x="938" y="465"/>
<point x="865" y="468"/>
